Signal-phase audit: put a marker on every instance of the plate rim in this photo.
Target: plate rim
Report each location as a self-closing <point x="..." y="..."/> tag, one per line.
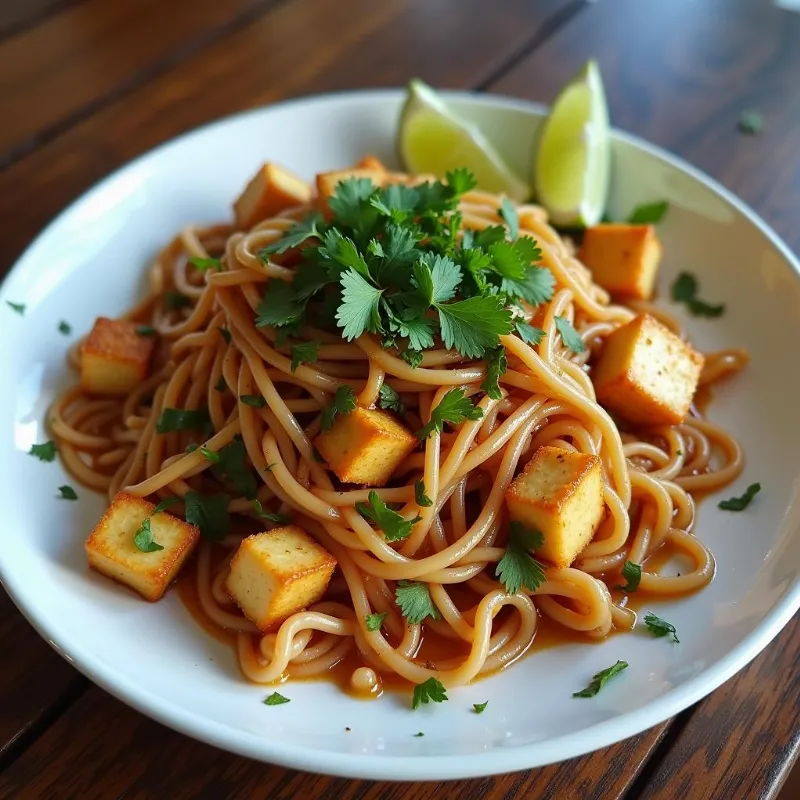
<point x="411" y="768"/>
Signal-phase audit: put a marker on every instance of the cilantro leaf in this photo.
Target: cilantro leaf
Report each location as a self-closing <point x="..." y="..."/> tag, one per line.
<point x="684" y="290"/>
<point x="276" y="699"/>
<point x="205" y="264"/>
<point x="360" y="307"/>
<point x="528" y="333"/>
<point x="145" y="330"/>
<point x="418" y="734"/>
<point x="221" y="385"/>
<point x="394" y="526"/>
<point x="65" y="328"/>
<point x="660" y="627"/>
<point x="415" y="602"/>
<point x="253" y="400"/>
<point x="740" y="503"/>
<point x="165" y="504"/>
<point x="342" y="250"/>
<point x="143" y="538"/>
<point x="648" y="213"/>
<point x="454" y="407"/>
<point x="44" y="452"/>
<point x="517" y="567"/>
<point x="183" y="419"/>
<point x="571" y="338"/>
<point x="431" y="691"/>
<point x="496" y="365"/>
<point x="209" y="513"/>
<point x="279" y="305"/>
<point x="232" y="466"/>
<point x="536" y="287"/>
<point x="294" y="236"/>
<point x="67" y="493"/>
<point x="280" y="519"/>
<point x="304" y="353"/>
<point x="343" y="402"/>
<point x="350" y="203"/>
<point x="18" y="307"/>
<point x="419" y="495"/>
<point x="508" y="213"/>
<point x="209" y="455"/>
<point x="488" y="236"/>
<point x="633" y="575"/>
<point x="479" y="708"/>
<point x="474" y="325"/>
<point x="374" y="622"/>
<point x="600" y="679"/>
<point x="389" y="399"/>
<point x="461" y="180"/>
<point x="506" y="261"/>
<point x="225" y="334"/>
<point x="751" y="121"/>
<point x="437" y="277"/>
<point x="412" y="357"/>
<point x="418" y="331"/>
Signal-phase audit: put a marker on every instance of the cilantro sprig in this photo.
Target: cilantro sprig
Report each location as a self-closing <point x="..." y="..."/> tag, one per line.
<point x="415" y="601"/>
<point x="684" y="290"/>
<point x="517" y="567"/>
<point x="430" y="691"/>
<point x="740" y="503"/>
<point x="455" y="407"/>
<point x="394" y="526"/>
<point x="393" y="262"/>
<point x="599" y="680"/>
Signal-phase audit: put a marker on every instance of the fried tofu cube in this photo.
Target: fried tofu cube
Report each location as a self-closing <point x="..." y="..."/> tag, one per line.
<point x="114" y="358"/>
<point x="365" y="446"/>
<point x="560" y="493"/>
<point x="276" y="574"/>
<point x="328" y="181"/>
<point x="623" y="258"/>
<point x="271" y="190"/>
<point x="647" y="374"/>
<point x="111" y="550"/>
<point x="371" y="162"/>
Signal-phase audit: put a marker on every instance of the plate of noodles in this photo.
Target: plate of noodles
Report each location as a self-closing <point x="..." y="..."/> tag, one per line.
<point x="416" y="486"/>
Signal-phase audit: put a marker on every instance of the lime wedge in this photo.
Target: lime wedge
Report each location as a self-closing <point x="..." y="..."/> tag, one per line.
<point x="571" y="165"/>
<point x="432" y="139"/>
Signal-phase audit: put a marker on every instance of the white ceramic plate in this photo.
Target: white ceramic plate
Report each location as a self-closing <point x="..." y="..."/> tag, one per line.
<point x="90" y="260"/>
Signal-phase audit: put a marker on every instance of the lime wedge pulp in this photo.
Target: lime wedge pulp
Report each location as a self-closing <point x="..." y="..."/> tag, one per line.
<point x="432" y="139"/>
<point x="572" y="161"/>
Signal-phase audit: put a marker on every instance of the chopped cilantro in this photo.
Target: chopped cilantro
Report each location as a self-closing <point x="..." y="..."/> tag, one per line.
<point x="751" y="121"/>
<point x="528" y="333"/>
<point x="304" y="353"/>
<point x="419" y="495"/>
<point x="276" y="699"/>
<point x="455" y="407"/>
<point x="221" y="386"/>
<point x="508" y="213"/>
<point x="389" y="399"/>
<point x="145" y="330"/>
<point x="279" y="519"/>
<point x="232" y="466"/>
<point x="67" y="493"/>
<point x="294" y="237"/>
<point x="660" y="627"/>
<point x="394" y="526"/>
<point x="65" y="328"/>
<point x="571" y="338"/>
<point x="648" y="213"/>
<point x="183" y="419"/>
<point x="175" y="300"/>
<point x="209" y="455"/>
<point x="684" y="290"/>
<point x="209" y="513"/>
<point x="374" y="622"/>
<point x="204" y="264"/>
<point x="517" y="567"/>
<point x="18" y="307"/>
<point x="343" y="402"/>
<point x="143" y="538"/>
<point x="740" y="503"/>
<point x="496" y="365"/>
<point x="415" y="601"/>
<point x="430" y="691"/>
<point x="254" y="400"/>
<point x="600" y="679"/>
<point x="479" y="708"/>
<point x="633" y="575"/>
<point x="225" y="334"/>
<point x="44" y="452"/>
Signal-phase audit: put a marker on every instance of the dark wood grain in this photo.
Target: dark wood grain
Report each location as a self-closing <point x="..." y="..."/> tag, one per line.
<point x="73" y="60"/>
<point x="34" y="679"/>
<point x="74" y="758"/>
<point x="450" y="42"/>
<point x="746" y="734"/>
<point x="679" y="73"/>
<point x="17" y="15"/>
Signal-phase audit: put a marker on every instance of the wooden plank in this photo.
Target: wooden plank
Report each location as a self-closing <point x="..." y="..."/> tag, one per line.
<point x="77" y="58"/>
<point x="74" y="757"/>
<point x="34" y="679"/>
<point x="746" y="735"/>
<point x="453" y="43"/>
<point x="679" y="74"/>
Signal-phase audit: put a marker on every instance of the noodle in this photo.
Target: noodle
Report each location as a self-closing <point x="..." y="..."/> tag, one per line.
<point x="457" y="540"/>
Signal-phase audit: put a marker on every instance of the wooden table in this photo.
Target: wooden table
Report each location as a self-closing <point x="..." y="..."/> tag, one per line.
<point x="88" y="84"/>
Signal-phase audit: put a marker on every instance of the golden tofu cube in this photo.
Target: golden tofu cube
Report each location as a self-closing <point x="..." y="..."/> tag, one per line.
<point x="647" y="374"/>
<point x="560" y="493"/>
<point x="623" y="258"/>
<point x="328" y="181"/>
<point x="111" y="551"/>
<point x="114" y="358"/>
<point x="365" y="446"/>
<point x="276" y="574"/>
<point x="371" y="162"/>
<point x="271" y="190"/>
